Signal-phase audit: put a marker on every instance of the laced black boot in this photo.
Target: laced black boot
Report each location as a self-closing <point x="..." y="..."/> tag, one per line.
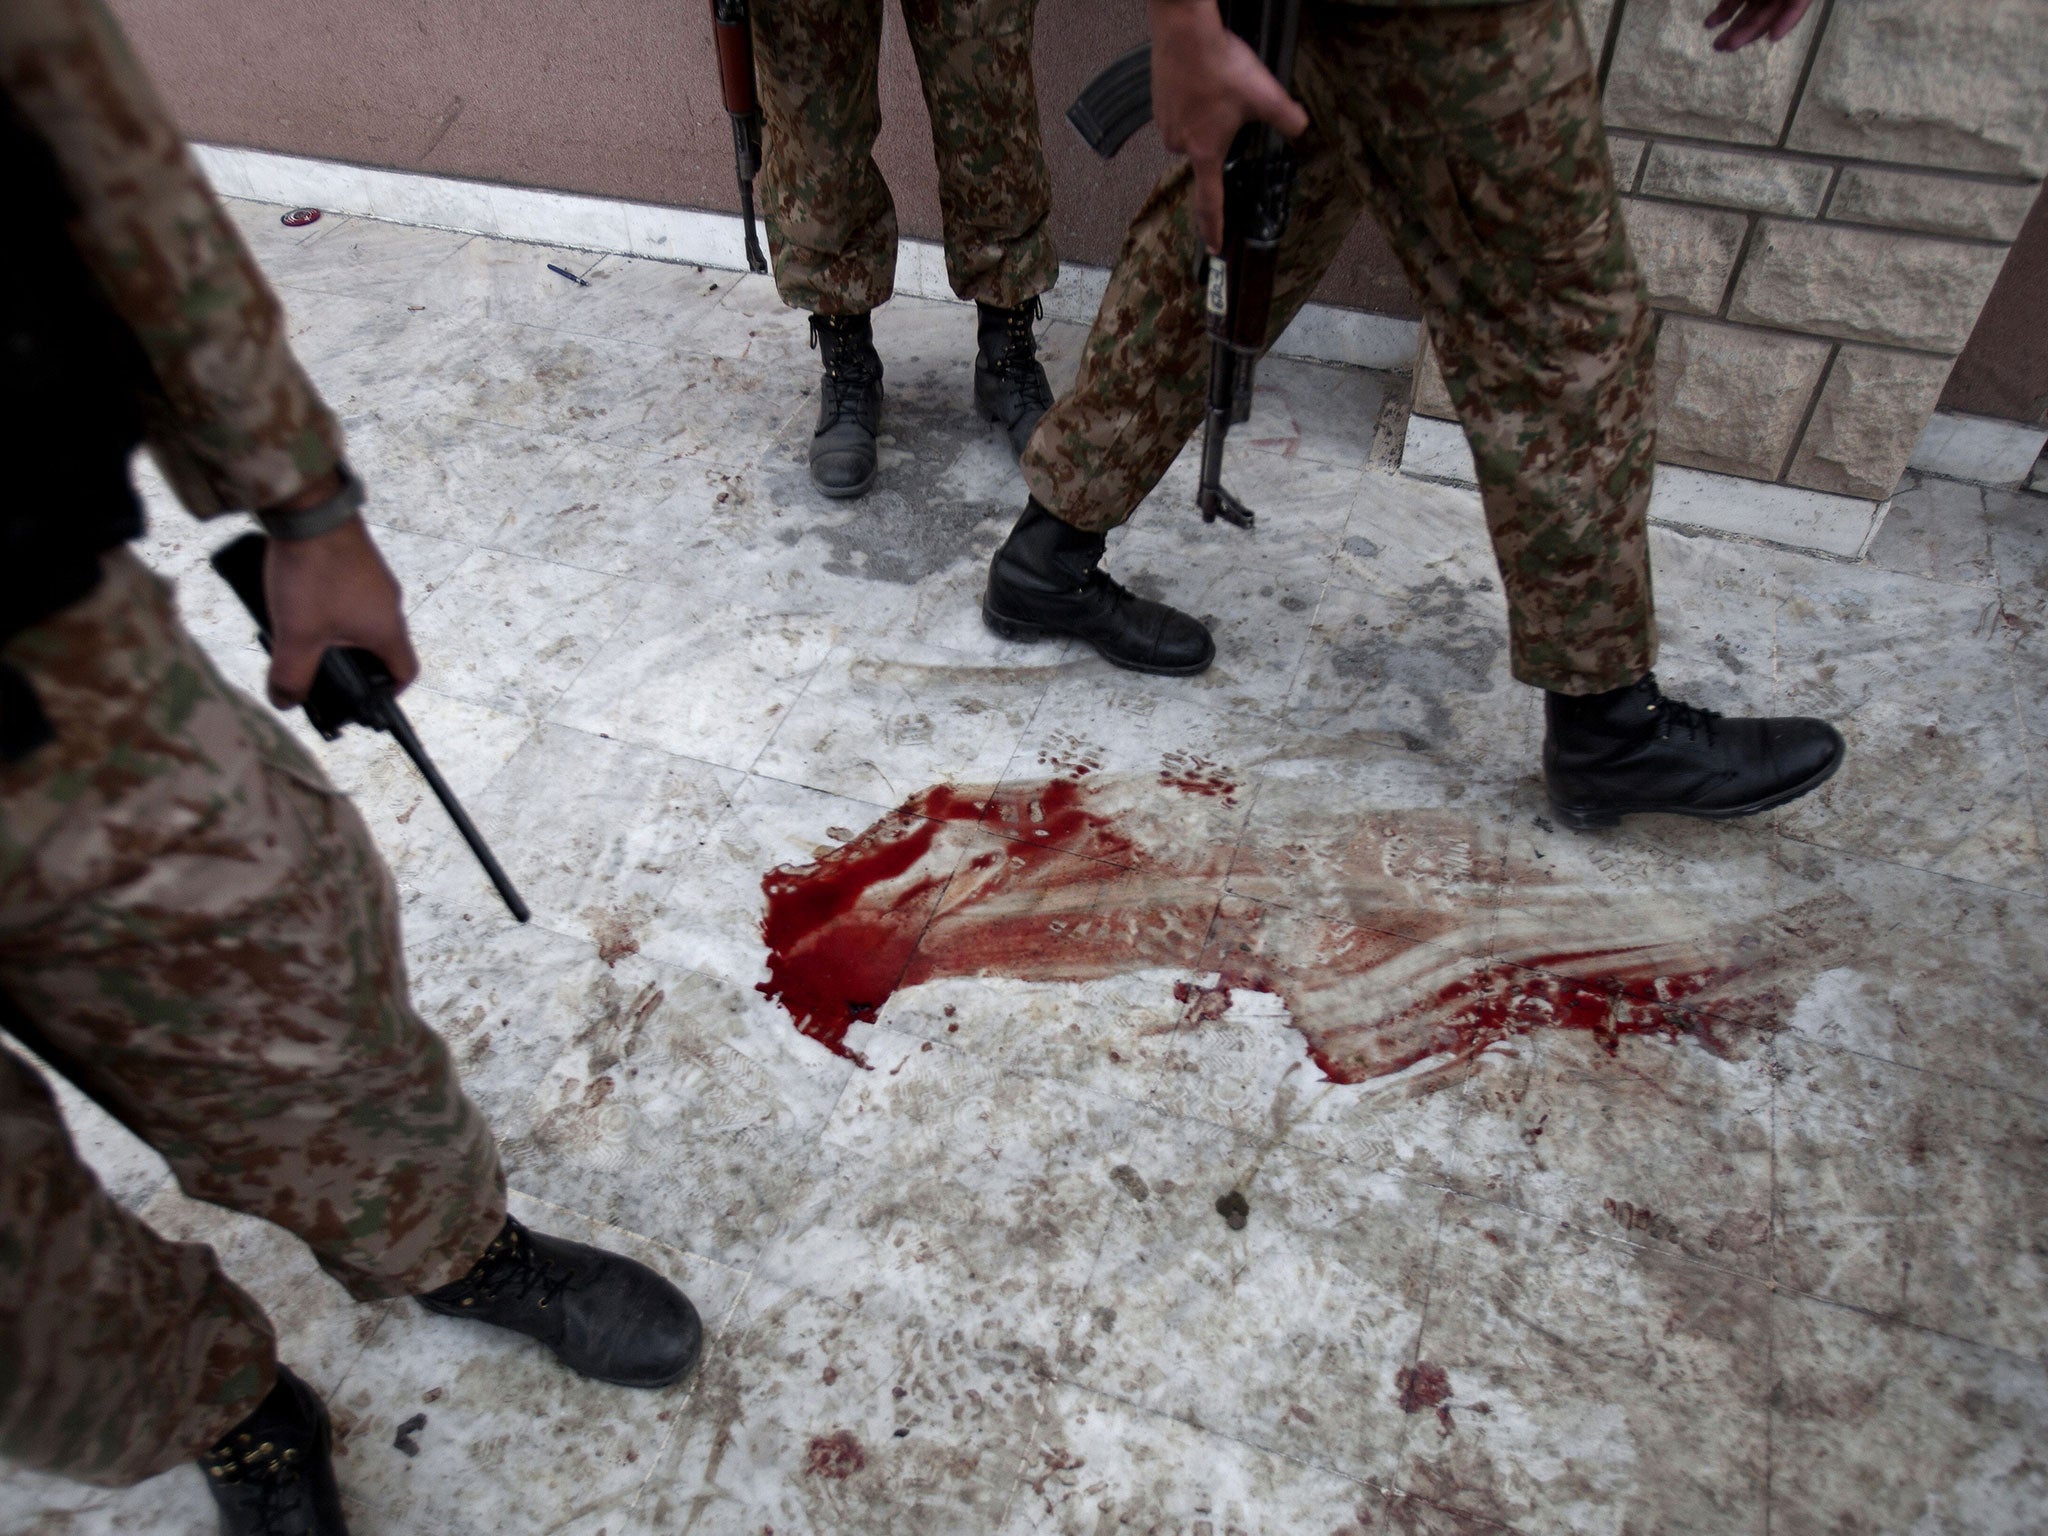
<point x="605" y="1316"/>
<point x="1610" y="755"/>
<point x="849" y="405"/>
<point x="1009" y="382"/>
<point x="273" y="1473"/>
<point x="1045" y="580"/>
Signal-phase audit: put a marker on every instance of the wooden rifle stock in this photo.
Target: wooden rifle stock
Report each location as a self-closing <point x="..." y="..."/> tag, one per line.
<point x="732" y="29"/>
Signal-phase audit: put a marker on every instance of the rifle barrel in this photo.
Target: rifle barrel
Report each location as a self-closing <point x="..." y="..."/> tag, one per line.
<point x="402" y="732"/>
<point x="756" y="261"/>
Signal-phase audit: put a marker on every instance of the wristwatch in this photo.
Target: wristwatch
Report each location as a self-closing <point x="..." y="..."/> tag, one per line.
<point x="297" y="523"/>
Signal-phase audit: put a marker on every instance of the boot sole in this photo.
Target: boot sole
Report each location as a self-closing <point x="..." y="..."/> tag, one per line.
<point x="847" y="492"/>
<point x="1017" y="629"/>
<point x="1582" y="819"/>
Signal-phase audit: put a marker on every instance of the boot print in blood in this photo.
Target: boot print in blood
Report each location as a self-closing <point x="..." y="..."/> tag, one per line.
<point x="1059" y="882"/>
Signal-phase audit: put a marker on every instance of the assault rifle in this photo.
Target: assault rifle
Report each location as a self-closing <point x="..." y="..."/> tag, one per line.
<point x="733" y="31"/>
<point x="1258" y="186"/>
<point x="353" y="687"/>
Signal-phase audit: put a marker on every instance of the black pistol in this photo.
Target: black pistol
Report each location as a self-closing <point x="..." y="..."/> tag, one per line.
<point x="353" y="687"/>
<point x="732" y="30"/>
<point x="1258" y="191"/>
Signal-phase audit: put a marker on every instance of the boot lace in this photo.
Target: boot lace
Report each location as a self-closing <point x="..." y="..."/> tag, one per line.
<point x="1672" y="714"/>
<point x="1017" y="360"/>
<point x="271" y="1470"/>
<point x="513" y="1268"/>
<point x="851" y="368"/>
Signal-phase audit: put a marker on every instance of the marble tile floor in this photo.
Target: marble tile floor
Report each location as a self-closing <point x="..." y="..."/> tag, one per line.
<point x="1679" y="1178"/>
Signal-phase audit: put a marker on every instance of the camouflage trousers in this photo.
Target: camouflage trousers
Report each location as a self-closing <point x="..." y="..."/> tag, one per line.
<point x="197" y="931"/>
<point x="831" y="222"/>
<point x="1474" y="136"/>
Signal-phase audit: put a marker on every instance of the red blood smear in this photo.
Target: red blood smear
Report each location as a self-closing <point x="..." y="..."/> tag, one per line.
<point x="1422" y="1385"/>
<point x="837" y="1455"/>
<point x="840" y="931"/>
<point x="1055" y="892"/>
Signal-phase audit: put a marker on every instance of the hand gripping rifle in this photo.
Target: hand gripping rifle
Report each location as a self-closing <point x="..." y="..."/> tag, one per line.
<point x="733" y="31"/>
<point x="1258" y="186"/>
<point x="353" y="687"/>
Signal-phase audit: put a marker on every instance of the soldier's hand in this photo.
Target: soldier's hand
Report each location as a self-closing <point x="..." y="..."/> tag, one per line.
<point x="1206" y="84"/>
<point x="1749" y="20"/>
<point x="331" y="590"/>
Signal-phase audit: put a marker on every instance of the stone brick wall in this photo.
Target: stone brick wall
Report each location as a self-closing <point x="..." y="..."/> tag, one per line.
<point x="1820" y="221"/>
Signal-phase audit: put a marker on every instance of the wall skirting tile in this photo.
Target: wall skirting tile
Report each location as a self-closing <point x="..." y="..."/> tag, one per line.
<point x="1321" y="333"/>
<point x="1692" y="500"/>
<point x="1980" y="448"/>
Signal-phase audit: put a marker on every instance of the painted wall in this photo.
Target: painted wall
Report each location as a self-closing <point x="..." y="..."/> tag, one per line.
<point x="614" y="97"/>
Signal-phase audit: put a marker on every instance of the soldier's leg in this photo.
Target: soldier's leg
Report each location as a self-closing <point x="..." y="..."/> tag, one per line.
<point x="995" y="197"/>
<point x="831" y="224"/>
<point x="1479" y="130"/>
<point x="1143" y="380"/>
<point x="1144" y="371"/>
<point x="200" y="931"/>
<point x="121" y="1355"/>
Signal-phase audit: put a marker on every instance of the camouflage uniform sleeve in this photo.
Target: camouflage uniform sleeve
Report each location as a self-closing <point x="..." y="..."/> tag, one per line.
<point x="235" y="423"/>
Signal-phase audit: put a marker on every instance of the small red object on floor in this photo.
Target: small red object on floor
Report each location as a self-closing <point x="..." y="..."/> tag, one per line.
<point x="298" y="218"/>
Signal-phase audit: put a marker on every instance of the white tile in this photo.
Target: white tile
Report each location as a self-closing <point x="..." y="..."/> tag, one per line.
<point x="1077" y="293"/>
<point x="1098" y="1461"/>
<point x="689" y="234"/>
<point x="512" y="632"/>
<point x="707" y="673"/>
<point x="1913" y="674"/>
<point x="1980" y="448"/>
<point x="620" y="823"/>
<point x="1871" y="1420"/>
<point x="1437" y="450"/>
<point x="845" y="1415"/>
<point x="292" y="180"/>
<point x="1000" y="1165"/>
<point x="1324" y="333"/>
<point x="1333" y="1260"/>
<point x="1568" y="1368"/>
<point x="559" y="218"/>
<point x="1776" y="514"/>
<point x="881" y="721"/>
<point x="438" y="202"/>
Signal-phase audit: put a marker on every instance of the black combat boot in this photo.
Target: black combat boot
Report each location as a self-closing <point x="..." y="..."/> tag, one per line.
<point x="1045" y="581"/>
<point x="849" y="405"/>
<point x="1009" y="383"/>
<point x="273" y="1473"/>
<point x="604" y="1316"/>
<point x="1609" y="755"/>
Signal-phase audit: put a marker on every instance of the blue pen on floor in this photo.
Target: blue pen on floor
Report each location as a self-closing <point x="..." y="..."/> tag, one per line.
<point x="565" y="272"/>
